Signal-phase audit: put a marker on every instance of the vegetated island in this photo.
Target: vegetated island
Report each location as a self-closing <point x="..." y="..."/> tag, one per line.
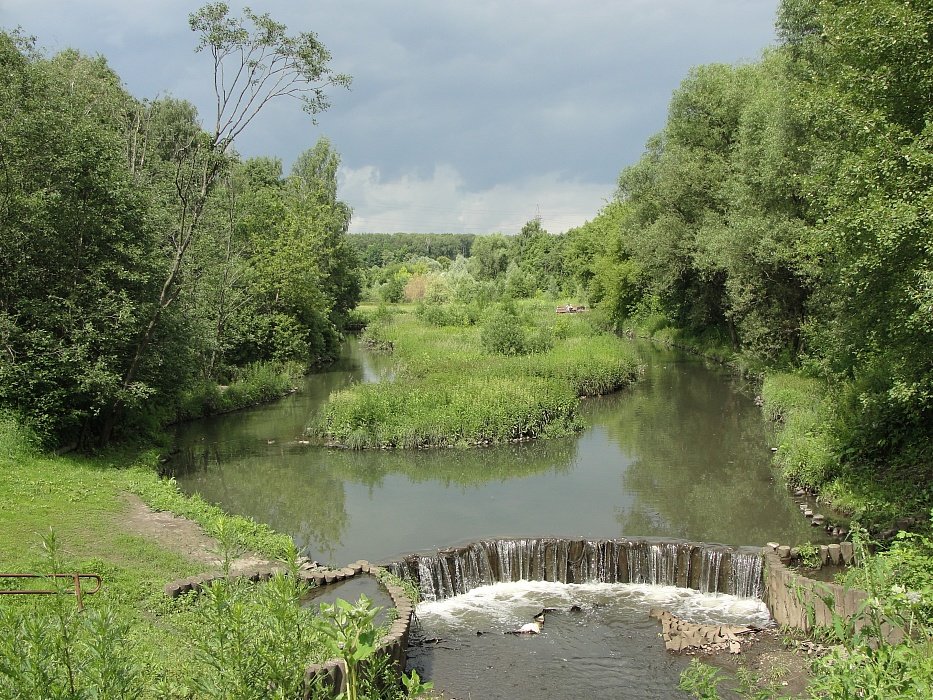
<point x="517" y="374"/>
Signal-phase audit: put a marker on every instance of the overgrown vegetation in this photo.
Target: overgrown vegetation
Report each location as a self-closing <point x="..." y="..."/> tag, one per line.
<point x="144" y="262"/>
<point x="457" y="385"/>
<point x="235" y="639"/>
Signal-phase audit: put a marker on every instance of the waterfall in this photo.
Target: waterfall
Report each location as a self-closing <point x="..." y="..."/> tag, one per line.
<point x="706" y="568"/>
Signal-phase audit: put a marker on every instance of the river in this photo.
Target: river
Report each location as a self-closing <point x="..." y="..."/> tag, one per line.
<point x="685" y="453"/>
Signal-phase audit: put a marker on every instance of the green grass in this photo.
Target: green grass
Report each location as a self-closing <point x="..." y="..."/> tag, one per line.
<point x="254" y="384"/>
<point x="448" y="390"/>
<point x="82" y="500"/>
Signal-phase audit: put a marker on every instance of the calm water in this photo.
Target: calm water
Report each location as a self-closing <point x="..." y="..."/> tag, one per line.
<point x="683" y="454"/>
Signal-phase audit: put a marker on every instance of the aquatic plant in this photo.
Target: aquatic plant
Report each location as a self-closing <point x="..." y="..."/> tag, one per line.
<point x="450" y="390"/>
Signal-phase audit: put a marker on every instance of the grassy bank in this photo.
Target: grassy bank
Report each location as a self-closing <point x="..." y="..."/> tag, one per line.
<point x="254" y="384"/>
<point x="452" y="389"/>
<point x="69" y="513"/>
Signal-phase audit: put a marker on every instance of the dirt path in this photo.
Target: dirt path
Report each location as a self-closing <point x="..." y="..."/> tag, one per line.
<point x="181" y="535"/>
<point x="770" y="659"/>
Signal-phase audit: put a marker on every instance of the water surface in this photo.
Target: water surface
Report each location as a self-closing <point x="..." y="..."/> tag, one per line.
<point x="597" y="643"/>
<point x="684" y="453"/>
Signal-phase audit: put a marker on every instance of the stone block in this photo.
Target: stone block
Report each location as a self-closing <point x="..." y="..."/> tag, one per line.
<point x="824" y="554"/>
<point x="835" y="554"/>
<point x="847" y="552"/>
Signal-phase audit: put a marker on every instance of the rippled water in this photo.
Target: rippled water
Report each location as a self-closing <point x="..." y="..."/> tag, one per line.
<point x="609" y="649"/>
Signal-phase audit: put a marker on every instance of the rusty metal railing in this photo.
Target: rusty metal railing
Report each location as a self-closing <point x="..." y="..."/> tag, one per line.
<point x="76" y="578"/>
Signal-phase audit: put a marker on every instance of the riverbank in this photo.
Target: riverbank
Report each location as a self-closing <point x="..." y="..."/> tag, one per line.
<point x="885" y="498"/>
<point x="111" y="516"/>
<point x="517" y="376"/>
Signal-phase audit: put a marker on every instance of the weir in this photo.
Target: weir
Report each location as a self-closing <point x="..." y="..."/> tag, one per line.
<point x="706" y="568"/>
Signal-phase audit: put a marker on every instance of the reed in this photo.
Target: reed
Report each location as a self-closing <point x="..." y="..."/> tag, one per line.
<point x="451" y="391"/>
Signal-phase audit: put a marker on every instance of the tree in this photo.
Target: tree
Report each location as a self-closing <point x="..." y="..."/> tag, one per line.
<point x="79" y="267"/>
<point x="255" y="62"/>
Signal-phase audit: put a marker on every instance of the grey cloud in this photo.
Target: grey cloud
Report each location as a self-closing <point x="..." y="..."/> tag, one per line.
<point x="498" y="91"/>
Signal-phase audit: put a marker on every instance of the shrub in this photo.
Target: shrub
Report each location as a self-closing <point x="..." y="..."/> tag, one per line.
<point x="504" y="334"/>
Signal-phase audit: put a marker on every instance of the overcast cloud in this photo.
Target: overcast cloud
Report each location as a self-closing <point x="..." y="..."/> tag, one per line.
<point x="463" y="116"/>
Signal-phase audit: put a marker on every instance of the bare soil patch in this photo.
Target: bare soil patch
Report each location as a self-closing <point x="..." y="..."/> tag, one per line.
<point x="767" y="656"/>
<point x="181" y="535"/>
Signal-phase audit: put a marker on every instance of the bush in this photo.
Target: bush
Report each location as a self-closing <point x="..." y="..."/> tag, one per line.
<point x="16" y="439"/>
<point x="504" y="334"/>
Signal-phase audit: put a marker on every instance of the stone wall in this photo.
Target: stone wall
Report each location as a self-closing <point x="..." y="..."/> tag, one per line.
<point x="798" y="601"/>
<point x="333" y="672"/>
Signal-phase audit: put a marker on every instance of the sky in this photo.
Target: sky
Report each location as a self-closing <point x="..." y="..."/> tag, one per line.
<point x="463" y="117"/>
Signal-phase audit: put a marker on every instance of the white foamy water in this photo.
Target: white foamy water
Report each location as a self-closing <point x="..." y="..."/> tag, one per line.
<point x="508" y="603"/>
<point x="597" y="643"/>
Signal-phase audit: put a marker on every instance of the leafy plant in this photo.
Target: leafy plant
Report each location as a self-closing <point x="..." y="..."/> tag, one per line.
<point x="809" y="555"/>
<point x="350" y="634"/>
<point x="51" y="649"/>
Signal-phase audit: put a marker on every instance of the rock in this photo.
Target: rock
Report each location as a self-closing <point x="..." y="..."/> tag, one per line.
<point x="799" y="493"/>
<point x="835" y="555"/>
<point x="818" y="519"/>
<point x="783" y="553"/>
<point x="807" y="513"/>
<point x="773" y="545"/>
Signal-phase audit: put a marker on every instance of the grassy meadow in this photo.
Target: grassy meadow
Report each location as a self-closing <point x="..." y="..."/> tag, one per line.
<point x="455" y="386"/>
<point x="69" y="514"/>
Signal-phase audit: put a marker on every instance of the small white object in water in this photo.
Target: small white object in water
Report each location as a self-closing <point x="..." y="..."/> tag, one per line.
<point x="528" y="628"/>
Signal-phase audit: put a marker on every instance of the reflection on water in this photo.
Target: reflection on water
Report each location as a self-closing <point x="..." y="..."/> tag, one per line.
<point x="682" y="454"/>
<point x="604" y="647"/>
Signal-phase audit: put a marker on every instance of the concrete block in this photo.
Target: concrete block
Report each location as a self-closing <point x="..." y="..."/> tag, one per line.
<point x="847" y="552"/>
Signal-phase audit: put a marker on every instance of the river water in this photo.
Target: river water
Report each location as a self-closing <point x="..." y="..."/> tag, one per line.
<point x="682" y="454"/>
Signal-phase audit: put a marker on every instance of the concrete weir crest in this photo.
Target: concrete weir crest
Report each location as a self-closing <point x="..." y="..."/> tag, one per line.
<point x="708" y="568"/>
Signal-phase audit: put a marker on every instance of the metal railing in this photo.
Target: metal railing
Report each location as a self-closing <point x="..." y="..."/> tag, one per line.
<point x="79" y="593"/>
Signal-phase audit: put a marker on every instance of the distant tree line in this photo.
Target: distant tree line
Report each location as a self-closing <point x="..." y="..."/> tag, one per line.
<point x="142" y="257"/>
<point x="379" y="249"/>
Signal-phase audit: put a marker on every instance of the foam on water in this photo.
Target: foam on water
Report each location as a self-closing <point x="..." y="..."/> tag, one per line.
<point x="604" y="647"/>
<point x="509" y="603"/>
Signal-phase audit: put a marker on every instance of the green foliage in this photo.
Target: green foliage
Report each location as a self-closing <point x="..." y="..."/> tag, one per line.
<point x="887" y="649"/>
<point x="805" y="454"/>
<point x="450" y="391"/>
<point x="701" y="680"/>
<point x="253" y="641"/>
<point x="140" y="257"/>
<point x="16" y="439"/>
<point x="504" y="333"/>
<point x="256" y="383"/>
<point x="53" y="650"/>
<point x="809" y="554"/>
<point x="350" y="635"/>
<point x="381" y="249"/>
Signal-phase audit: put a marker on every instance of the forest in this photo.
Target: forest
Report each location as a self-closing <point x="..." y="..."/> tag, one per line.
<point x="145" y="263"/>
